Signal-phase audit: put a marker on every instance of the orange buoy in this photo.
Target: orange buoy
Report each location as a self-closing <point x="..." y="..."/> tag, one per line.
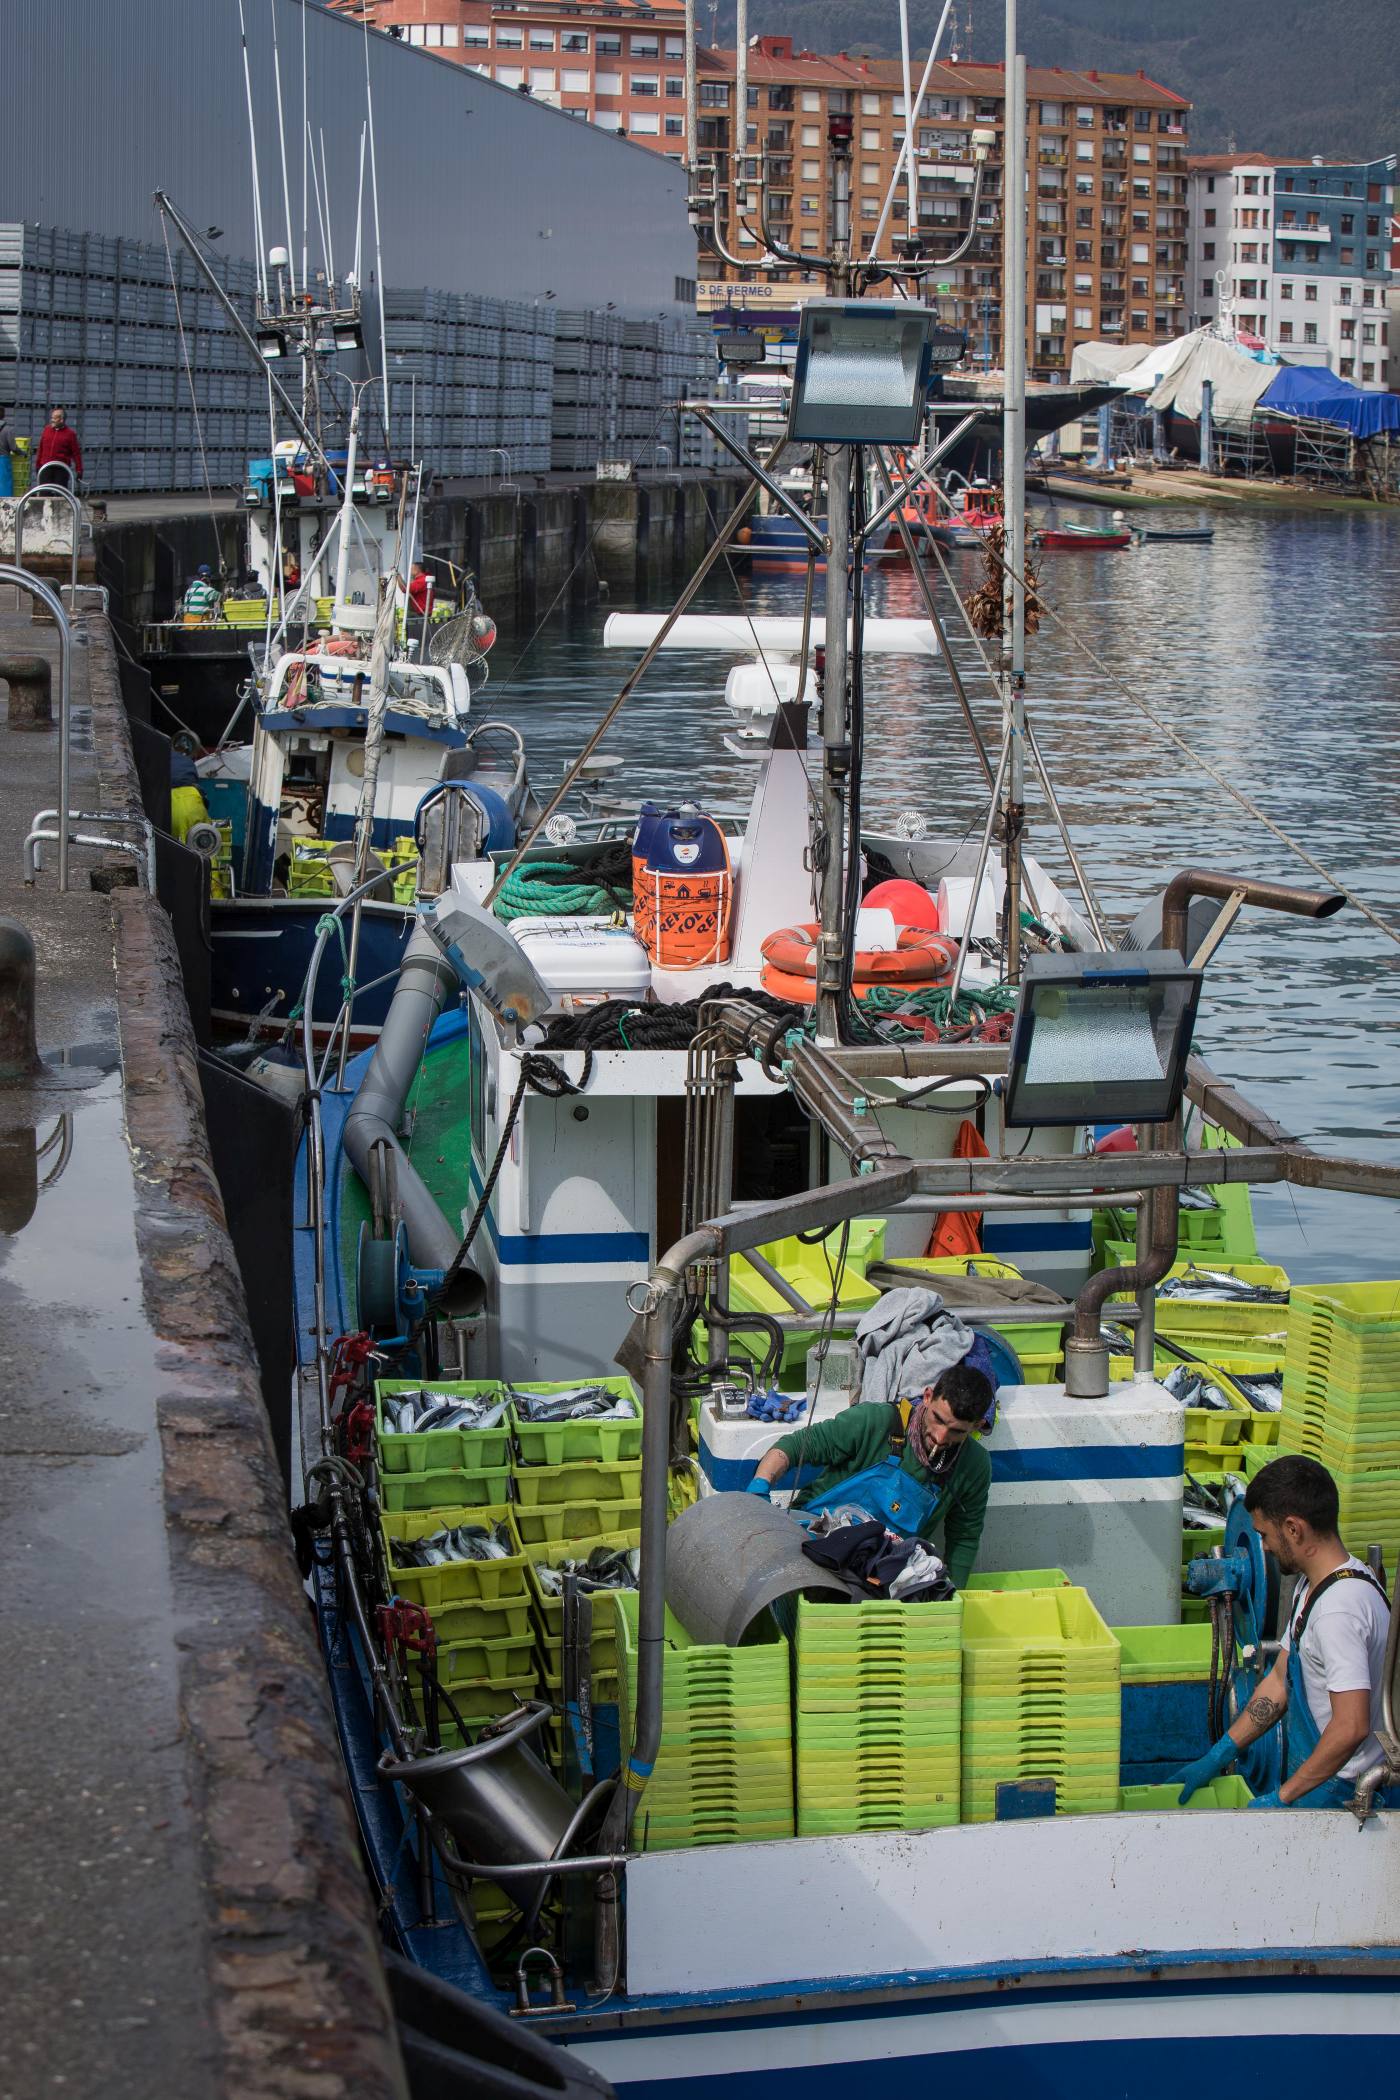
<point x="921" y="957"/>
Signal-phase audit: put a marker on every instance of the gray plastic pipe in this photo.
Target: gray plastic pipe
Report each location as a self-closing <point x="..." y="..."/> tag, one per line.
<point x="426" y="982"/>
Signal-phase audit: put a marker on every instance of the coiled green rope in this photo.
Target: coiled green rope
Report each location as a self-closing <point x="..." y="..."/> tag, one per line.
<point x="544" y="887"/>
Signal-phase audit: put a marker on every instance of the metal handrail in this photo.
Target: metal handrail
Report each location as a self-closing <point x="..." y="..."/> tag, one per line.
<point x="40" y="492"/>
<point x="62" y="467"/>
<point x="37" y="588"/>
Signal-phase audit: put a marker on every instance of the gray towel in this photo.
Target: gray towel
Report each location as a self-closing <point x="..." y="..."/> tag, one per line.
<point x="906" y="1341"/>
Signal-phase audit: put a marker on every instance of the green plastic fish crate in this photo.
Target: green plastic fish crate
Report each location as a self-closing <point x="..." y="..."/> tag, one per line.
<point x="480" y="1701"/>
<point x="1039" y="1346"/>
<point x="587" y="1480"/>
<point x="549" y="1610"/>
<point x="459" y="1582"/>
<point x="456" y="1487"/>
<point x="1009" y="1634"/>
<point x="566" y="1443"/>
<point x="1196" y="1542"/>
<point x="1018" y="1579"/>
<point x="486" y="1662"/>
<point x="1229" y="1791"/>
<point x="437" y="1449"/>
<point x="1348" y="1325"/>
<point x="1164" y="1654"/>
<point x="560" y="1524"/>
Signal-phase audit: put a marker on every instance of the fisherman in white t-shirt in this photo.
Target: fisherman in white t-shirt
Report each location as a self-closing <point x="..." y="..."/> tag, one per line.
<point x="1329" y="1673"/>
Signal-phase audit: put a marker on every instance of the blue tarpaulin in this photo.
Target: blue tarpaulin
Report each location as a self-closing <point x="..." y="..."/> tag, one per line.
<point x="1301" y="390"/>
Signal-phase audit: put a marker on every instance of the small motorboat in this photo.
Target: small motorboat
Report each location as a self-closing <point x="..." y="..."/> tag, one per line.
<point x="1198" y="533"/>
<point x="1083" y="538"/>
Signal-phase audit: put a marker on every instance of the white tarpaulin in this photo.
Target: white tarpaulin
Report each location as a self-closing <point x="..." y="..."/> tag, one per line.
<point x="1095" y="364"/>
<point x="1237" y="382"/>
<point x="1149" y="371"/>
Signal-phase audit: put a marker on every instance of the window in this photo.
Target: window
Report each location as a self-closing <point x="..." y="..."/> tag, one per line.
<point x="870" y="171"/>
<point x="1368" y="331"/>
<point x="675" y="47"/>
<point x="1344" y="294"/>
<point x="541" y="39"/>
<point x="808" y="207"/>
<point x="1285" y="290"/>
<point x="675" y="127"/>
<point x="1208" y="218"/>
<point x="1310" y="294"/>
<point x="542" y="77"/>
<point x="1210" y="189"/>
<point x="1309" y="331"/>
<point x="1140" y="252"/>
<point x="1368" y="297"/>
<point x="1249" y="251"/>
<point x="510" y="39"/>
<point x="714" y="94"/>
<point x="476" y="34"/>
<point x="1347" y="367"/>
<point x="1373" y="227"/>
<point x="811" y="99"/>
<point x="1051" y="113"/>
<point x="1285" y="331"/>
<point x="609" y="84"/>
<point x="811" y="171"/>
<point x="575" y="82"/>
<point x="1372" y="259"/>
<point x="1083" y="185"/>
<point x="611" y="47"/>
<point x="1083" y="286"/>
<point x="1142" y="153"/>
<point x="1084" y="216"/>
<point x="1249" y="288"/>
<point x="1251" y="185"/>
<point x="869" y="139"/>
<point x="1084" y="117"/>
<point x="1368" y="371"/>
<point x="1137" y="320"/>
<point x="870" y="105"/>
<point x="1142" y="121"/>
<point x="675" y="87"/>
<point x="1348" y="331"/>
<point x="509" y="76"/>
<point x="432" y="35"/>
<point x="1083" y="149"/>
<point x="869" y="208"/>
<point x="645" y="84"/>
<point x="809" y="237"/>
<point x="811" y="135"/>
<point x="1084" y="251"/>
<point x="1288" y="182"/>
<point x="1348" y="222"/>
<point x="643" y="46"/>
<point x="1349" y="256"/>
<point x="646" y="123"/>
<point x="449" y="35"/>
<point x="1083" y="316"/>
<point x="1207" y="288"/>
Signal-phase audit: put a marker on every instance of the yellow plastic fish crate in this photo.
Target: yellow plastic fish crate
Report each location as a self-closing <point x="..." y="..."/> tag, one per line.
<point x="1164" y="1654"/>
<point x="566" y="1443"/>
<point x="431" y="1449"/>
<point x="309" y="873"/>
<point x="499" y="1662"/>
<point x="589" y="1480"/>
<point x="1007" y="1634"/>
<point x="559" y="1524"/>
<point x="458" y="1582"/>
<point x="1228" y="1791"/>
<point x="453" y="1487"/>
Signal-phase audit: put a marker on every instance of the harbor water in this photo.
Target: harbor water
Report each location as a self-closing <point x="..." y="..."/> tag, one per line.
<point x="1274" y="650"/>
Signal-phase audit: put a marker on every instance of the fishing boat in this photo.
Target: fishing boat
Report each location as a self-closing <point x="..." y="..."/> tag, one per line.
<point x="965" y="519"/>
<point x="624" y="1762"/>
<point x="1200" y="535"/>
<point x="357" y="701"/>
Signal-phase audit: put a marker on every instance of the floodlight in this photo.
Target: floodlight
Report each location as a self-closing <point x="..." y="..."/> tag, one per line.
<point x="863" y="370"/>
<point x="269" y="341"/>
<point x="348" y="335"/>
<point x="1101" y="1039"/>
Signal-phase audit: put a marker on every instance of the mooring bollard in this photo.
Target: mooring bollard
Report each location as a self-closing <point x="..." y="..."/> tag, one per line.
<point x="30" y="681"/>
<point x="19" y="1051"/>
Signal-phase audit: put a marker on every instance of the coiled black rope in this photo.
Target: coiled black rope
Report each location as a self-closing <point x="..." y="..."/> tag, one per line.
<point x="618" y="1024"/>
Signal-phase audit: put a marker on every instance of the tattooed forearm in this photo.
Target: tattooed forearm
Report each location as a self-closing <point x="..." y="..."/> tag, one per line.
<point x="1263" y="1710"/>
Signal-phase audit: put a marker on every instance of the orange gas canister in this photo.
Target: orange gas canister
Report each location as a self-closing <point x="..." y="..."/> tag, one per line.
<point x="687" y="892"/>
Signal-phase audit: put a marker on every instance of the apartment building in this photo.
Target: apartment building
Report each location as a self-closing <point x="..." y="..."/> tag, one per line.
<point x="1295" y="256"/>
<point x="1107" y="159"/>
<point x="620" y="65"/>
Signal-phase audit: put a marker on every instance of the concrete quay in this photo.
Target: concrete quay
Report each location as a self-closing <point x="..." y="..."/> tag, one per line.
<point x="183" y="1908"/>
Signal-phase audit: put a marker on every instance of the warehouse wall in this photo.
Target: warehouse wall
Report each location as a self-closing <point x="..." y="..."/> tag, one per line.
<point x="480" y="189"/>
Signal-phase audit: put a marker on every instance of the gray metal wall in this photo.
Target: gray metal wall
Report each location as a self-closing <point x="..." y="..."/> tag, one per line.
<point x="480" y="189"/>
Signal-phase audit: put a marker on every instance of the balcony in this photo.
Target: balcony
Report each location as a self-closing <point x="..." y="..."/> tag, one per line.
<point x="1047" y="253"/>
<point x="1287" y="232"/>
<point x="1114" y="156"/>
<point x="1045" y="159"/>
<point x="1110" y="254"/>
<point x="1048" y="287"/>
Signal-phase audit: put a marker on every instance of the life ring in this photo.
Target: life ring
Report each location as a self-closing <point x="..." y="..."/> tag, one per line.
<point x="802" y="991"/>
<point x="921" y="957"/>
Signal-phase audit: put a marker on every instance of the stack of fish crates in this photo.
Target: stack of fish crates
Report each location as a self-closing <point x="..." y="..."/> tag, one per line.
<point x="577" y="1487"/>
<point x="471" y="378"/>
<point x="723" y="1774"/>
<point x="616" y="385"/>
<point x="1341" y="1402"/>
<point x="1041" y="1702"/>
<point x="877" y="1696"/>
<point x="438" y="1479"/>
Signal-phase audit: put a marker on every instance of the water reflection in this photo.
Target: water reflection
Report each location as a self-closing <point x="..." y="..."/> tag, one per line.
<point x="1275" y="650"/>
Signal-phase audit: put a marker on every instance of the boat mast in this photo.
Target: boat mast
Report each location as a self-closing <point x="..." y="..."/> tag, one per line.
<point x="836" y="749"/>
<point x="1013" y="631"/>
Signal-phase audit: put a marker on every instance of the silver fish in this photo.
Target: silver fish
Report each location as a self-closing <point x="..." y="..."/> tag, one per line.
<point x="1262" y="1389"/>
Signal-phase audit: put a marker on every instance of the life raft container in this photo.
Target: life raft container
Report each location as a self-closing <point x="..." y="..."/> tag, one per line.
<point x="919" y="957"/>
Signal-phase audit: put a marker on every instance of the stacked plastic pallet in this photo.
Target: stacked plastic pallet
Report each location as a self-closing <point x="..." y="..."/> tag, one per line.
<point x="616" y="383"/>
<point x="878" y="1694"/>
<point x="1041" y="1704"/>
<point x="723" y="1774"/>
<point x="471" y="379"/>
<point x="96" y="326"/>
<point x="1341" y="1402"/>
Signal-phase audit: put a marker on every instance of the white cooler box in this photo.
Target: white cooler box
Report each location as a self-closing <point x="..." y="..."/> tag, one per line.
<point x="584" y="956"/>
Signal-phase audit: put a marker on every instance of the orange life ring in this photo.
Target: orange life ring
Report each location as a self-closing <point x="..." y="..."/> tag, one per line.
<point x="922" y="957"/>
<point x="802" y="991"/>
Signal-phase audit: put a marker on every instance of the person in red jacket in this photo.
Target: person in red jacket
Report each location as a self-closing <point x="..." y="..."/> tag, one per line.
<point x="59" y="447"/>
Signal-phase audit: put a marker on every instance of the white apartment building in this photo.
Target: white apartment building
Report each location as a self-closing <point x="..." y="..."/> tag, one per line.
<point x="1295" y="255"/>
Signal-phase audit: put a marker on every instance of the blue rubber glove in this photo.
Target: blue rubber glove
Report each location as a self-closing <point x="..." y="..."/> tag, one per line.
<point x="759" y="1486"/>
<point x="1192" y="1777"/>
<point x="1269" y="1800"/>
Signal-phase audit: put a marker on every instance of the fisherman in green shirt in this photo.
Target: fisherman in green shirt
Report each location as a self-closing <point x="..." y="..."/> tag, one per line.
<point x="913" y="1464"/>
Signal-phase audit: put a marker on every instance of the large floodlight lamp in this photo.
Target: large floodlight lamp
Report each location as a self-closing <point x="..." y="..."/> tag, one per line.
<point x="863" y="370"/>
<point x="1101" y="1039"/>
